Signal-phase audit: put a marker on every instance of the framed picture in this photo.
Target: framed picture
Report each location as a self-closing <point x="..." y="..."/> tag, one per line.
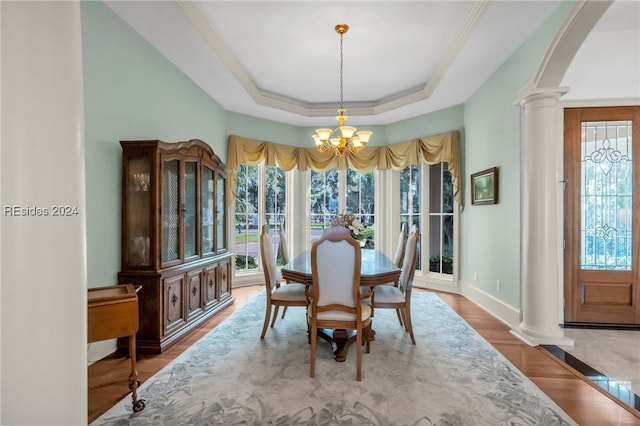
<point x="484" y="187"/>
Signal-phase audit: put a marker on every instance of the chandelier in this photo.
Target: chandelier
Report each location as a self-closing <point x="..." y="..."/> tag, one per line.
<point x="349" y="138"/>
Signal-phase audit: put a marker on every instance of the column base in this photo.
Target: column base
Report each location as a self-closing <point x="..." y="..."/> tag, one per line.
<point x="538" y="337"/>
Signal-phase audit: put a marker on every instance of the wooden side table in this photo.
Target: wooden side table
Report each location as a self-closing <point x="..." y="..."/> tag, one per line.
<point x="113" y="313"/>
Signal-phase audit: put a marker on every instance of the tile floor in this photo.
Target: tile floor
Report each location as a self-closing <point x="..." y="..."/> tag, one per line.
<point x="610" y="358"/>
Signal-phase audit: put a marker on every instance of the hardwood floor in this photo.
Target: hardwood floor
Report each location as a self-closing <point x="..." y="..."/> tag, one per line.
<point x="578" y="397"/>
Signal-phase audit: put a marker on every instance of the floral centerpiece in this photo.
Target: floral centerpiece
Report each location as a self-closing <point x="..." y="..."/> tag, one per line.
<point x="350" y="221"/>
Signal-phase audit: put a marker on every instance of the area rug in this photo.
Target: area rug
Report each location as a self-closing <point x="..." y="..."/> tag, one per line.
<point x="452" y="376"/>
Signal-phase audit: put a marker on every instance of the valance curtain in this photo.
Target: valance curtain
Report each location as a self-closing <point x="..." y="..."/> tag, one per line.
<point x="432" y="149"/>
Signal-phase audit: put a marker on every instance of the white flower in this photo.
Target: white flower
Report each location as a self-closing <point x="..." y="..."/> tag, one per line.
<point x="349" y="221"/>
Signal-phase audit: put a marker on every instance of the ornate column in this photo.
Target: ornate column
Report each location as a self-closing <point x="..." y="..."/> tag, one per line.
<point x="541" y="239"/>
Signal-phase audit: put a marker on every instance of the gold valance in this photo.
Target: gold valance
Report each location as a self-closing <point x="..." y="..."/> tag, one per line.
<point x="444" y="147"/>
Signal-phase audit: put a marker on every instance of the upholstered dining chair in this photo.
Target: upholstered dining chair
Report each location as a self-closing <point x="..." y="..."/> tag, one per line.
<point x="289" y="294"/>
<point x="399" y="298"/>
<point x="402" y="240"/>
<point x="397" y="259"/>
<point x="284" y="252"/>
<point x="335" y="301"/>
<point x="284" y="248"/>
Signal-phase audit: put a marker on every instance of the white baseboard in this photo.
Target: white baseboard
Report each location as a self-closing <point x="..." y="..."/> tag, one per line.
<point x="499" y="309"/>
<point x="98" y="350"/>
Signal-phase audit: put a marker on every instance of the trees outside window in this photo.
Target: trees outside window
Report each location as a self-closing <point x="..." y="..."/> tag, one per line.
<point x="260" y="199"/>
<point x="410" y="200"/>
<point x="275" y="206"/>
<point x="246" y="226"/>
<point x="324" y="201"/>
<point x="341" y="191"/>
<point x="360" y="200"/>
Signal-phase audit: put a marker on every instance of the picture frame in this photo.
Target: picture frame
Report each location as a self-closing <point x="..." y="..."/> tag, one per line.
<point x="484" y="187"/>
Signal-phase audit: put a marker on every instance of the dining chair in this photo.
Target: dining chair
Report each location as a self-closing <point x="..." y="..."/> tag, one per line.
<point x="336" y="302"/>
<point x="284" y="248"/>
<point x="284" y="253"/>
<point x="289" y="294"/>
<point x="399" y="298"/>
<point x="402" y="240"/>
<point x="397" y="260"/>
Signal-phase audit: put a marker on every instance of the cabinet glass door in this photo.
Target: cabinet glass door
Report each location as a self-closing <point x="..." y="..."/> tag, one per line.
<point x="190" y="209"/>
<point x="221" y="231"/>
<point x="170" y="210"/>
<point x="207" y="210"/>
<point x="138" y="213"/>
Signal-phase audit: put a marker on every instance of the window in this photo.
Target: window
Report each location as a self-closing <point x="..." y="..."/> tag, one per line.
<point x="440" y="219"/>
<point x="324" y="200"/>
<point x="275" y="205"/>
<point x="253" y="203"/>
<point x="439" y="211"/>
<point x="425" y="200"/>
<point x="336" y="191"/>
<point x="410" y="197"/>
<point x="246" y="204"/>
<point x="361" y="201"/>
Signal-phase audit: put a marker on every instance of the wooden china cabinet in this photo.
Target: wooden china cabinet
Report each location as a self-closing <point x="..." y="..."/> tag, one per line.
<point x="174" y="237"/>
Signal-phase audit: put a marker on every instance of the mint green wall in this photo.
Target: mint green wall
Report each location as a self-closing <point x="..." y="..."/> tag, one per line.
<point x="264" y="130"/>
<point x="490" y="235"/>
<point x="434" y="123"/>
<point x="131" y="92"/>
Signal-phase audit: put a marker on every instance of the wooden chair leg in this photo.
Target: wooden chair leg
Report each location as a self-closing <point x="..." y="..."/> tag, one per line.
<point x="359" y="356"/>
<point x="267" y="317"/>
<point x="275" y="316"/>
<point x="367" y="338"/>
<point x="312" y="360"/>
<point x="407" y="323"/>
<point x="284" y="311"/>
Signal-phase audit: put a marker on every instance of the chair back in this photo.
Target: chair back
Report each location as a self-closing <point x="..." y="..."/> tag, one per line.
<point x="400" y="247"/>
<point x="335" y="269"/>
<point x="409" y="264"/>
<point x="284" y="248"/>
<point x="268" y="261"/>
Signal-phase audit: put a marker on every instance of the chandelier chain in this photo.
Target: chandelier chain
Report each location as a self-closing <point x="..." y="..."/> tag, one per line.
<point x="341" y="61"/>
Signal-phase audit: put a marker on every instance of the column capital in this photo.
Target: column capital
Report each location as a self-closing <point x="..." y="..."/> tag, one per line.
<point x="532" y="92"/>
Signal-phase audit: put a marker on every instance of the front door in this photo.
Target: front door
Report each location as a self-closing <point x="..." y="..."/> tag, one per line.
<point x="602" y="205"/>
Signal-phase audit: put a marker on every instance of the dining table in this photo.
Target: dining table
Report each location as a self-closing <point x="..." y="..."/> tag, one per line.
<point x="375" y="269"/>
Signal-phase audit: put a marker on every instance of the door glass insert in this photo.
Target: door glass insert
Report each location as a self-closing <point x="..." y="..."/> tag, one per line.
<point x="606" y="195"/>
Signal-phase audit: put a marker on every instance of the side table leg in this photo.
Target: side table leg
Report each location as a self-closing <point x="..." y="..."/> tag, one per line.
<point x="138" y="404"/>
